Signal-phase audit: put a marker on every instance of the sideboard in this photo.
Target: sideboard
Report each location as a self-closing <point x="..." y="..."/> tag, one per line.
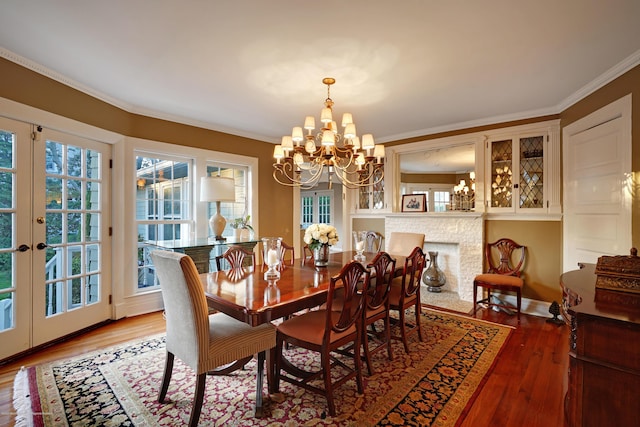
<point x="604" y="352"/>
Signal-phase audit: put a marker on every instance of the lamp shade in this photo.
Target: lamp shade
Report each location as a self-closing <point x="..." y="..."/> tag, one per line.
<point x="217" y="189"/>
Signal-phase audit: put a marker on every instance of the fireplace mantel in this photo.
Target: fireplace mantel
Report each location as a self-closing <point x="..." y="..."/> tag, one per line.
<point x="458" y="237"/>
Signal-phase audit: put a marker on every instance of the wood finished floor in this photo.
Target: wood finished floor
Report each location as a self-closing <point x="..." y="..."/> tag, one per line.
<point x="525" y="388"/>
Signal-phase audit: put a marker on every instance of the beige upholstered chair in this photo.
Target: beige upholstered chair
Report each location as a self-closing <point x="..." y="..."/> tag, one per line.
<point x="503" y="275"/>
<point x="202" y="341"/>
<point x="373" y="242"/>
<point x="326" y="331"/>
<point x="403" y="243"/>
<point x="405" y="294"/>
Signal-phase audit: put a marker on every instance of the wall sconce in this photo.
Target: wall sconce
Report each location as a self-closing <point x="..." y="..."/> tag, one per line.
<point x="141" y="182"/>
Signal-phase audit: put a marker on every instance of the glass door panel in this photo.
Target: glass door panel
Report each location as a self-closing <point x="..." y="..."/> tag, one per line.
<point x="15" y="239"/>
<point x="531" y="172"/>
<point x="501" y="173"/>
<point x="70" y="269"/>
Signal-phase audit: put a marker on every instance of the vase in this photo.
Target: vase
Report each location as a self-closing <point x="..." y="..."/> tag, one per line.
<point x="433" y="276"/>
<point x="321" y="256"/>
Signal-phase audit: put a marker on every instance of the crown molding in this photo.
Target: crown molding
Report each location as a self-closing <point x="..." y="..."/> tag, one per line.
<point x="611" y="74"/>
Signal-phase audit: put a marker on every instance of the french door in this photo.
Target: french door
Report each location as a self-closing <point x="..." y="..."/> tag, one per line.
<point x="54" y="263"/>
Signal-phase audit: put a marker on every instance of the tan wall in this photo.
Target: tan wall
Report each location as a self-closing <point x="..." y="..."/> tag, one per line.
<point x="27" y="87"/>
<point x="544" y="253"/>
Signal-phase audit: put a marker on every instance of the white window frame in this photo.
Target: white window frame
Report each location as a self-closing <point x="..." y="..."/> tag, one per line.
<point x="428" y="190"/>
<point x="199" y="215"/>
<point x="316" y="194"/>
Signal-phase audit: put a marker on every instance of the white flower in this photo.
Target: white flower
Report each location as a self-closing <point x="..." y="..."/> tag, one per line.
<point x="320" y="234"/>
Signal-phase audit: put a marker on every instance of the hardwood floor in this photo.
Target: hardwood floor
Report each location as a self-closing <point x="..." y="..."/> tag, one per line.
<point x="525" y="388"/>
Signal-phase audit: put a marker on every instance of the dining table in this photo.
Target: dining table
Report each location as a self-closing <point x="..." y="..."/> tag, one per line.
<point x="246" y="295"/>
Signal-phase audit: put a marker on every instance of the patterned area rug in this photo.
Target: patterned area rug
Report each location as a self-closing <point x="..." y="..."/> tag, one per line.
<point x="431" y="386"/>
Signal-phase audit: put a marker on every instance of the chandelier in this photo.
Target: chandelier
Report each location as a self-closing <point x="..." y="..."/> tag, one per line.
<point x="300" y="159"/>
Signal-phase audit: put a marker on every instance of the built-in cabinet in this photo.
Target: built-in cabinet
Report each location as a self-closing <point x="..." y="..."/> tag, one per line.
<point x="522" y="174"/>
<point x="371" y="199"/>
<point x="517" y="173"/>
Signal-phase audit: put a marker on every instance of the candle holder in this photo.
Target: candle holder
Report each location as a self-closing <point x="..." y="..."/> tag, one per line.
<point x="271" y="253"/>
<point x="359" y="239"/>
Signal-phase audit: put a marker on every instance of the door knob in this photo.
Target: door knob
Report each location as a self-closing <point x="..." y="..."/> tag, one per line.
<point x="41" y="246"/>
<point x="23" y="248"/>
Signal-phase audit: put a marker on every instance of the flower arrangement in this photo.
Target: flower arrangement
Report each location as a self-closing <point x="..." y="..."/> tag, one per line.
<point x="317" y="235"/>
<point x="242" y="222"/>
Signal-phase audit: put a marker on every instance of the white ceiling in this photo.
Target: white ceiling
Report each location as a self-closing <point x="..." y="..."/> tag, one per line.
<point x="254" y="67"/>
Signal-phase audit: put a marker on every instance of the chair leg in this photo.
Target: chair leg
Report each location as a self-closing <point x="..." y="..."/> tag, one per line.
<point x="197" y="400"/>
<point x="367" y="353"/>
<point x="519" y="302"/>
<point x="475" y="297"/>
<point x="418" y="311"/>
<point x="403" y="330"/>
<point x="166" y="378"/>
<point x="358" y="363"/>
<point x="259" y="382"/>
<point x="325" y="360"/>
<point x="387" y="333"/>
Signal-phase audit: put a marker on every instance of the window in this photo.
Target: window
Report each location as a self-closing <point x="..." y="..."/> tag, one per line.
<point x="163" y="206"/>
<point x="316" y="207"/>
<point x="231" y="210"/>
<point x="437" y="195"/>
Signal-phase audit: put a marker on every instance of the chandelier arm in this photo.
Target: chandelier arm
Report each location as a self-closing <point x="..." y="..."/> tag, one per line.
<point x="285" y="171"/>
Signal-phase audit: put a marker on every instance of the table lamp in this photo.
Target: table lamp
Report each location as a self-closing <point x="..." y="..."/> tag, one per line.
<point x="217" y="189"/>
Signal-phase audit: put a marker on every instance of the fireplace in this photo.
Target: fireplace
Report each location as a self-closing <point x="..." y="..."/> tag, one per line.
<point x="458" y="238"/>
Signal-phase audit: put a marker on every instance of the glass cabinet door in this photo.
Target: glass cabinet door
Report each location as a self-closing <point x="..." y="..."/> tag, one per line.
<point x="531" y="172"/>
<point x="371" y="197"/>
<point x="502" y="173"/>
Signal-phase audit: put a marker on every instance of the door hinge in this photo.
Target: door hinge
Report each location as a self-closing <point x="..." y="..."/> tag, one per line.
<point x="110" y="163"/>
<point x="110" y="299"/>
<point x="110" y="231"/>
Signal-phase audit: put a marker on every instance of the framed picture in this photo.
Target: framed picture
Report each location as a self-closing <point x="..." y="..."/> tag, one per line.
<point x="413" y="203"/>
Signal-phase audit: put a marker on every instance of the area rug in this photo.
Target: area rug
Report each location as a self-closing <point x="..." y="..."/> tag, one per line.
<point x="433" y="385"/>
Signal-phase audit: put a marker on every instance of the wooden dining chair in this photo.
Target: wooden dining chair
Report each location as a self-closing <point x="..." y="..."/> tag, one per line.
<point x="307" y="254"/>
<point x="325" y="331"/>
<point x="405" y="294"/>
<point x="503" y="274"/>
<point x="203" y="342"/>
<point x="235" y="257"/>
<point x="373" y="241"/>
<point x="403" y="243"/>
<point x="377" y="307"/>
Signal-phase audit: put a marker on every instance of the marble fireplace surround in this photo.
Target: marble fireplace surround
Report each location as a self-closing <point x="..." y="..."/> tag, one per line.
<point x="458" y="239"/>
